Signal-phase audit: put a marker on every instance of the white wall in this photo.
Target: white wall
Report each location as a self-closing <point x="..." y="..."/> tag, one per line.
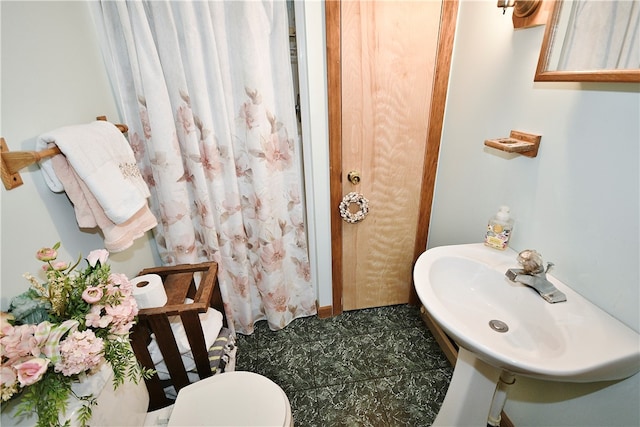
<point x="577" y="203"/>
<point x="52" y="76"/>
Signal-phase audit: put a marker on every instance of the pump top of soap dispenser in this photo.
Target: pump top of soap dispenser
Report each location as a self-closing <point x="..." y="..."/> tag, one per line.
<point x="504" y="213"/>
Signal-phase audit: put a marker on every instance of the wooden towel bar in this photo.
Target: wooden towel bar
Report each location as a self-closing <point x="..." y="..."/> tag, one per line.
<point x="13" y="162"/>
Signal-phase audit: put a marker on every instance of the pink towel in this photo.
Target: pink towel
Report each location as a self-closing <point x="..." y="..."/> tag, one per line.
<point x="89" y="213"/>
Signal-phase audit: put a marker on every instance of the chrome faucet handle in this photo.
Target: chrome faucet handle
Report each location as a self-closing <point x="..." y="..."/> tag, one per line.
<point x="549" y="265"/>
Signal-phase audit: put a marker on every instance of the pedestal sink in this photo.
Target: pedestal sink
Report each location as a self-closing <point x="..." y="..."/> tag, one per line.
<point x="506" y="327"/>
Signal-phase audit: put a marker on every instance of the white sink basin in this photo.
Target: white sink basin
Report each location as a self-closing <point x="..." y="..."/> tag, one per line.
<point x="464" y="287"/>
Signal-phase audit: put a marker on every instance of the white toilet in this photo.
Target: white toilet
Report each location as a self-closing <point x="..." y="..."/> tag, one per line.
<point x="230" y="399"/>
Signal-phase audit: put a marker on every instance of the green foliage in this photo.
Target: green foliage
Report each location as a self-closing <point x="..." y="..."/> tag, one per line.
<point x="85" y="411"/>
<point x="48" y="398"/>
<point x="76" y="308"/>
<point x="118" y="354"/>
<point x="28" y="307"/>
<point x="125" y="366"/>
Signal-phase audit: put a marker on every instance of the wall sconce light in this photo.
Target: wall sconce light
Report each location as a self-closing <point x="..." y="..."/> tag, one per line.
<point x="504" y="4"/>
<point x="521" y="8"/>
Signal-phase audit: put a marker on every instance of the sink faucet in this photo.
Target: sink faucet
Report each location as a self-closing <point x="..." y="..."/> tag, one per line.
<point x="534" y="274"/>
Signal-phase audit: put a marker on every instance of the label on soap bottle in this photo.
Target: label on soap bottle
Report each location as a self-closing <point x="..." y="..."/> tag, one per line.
<point x="497" y="236"/>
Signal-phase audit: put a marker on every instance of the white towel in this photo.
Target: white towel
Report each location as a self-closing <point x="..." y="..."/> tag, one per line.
<point x="103" y="159"/>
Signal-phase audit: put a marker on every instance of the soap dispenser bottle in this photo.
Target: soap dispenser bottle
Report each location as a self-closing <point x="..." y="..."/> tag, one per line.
<point x="499" y="229"/>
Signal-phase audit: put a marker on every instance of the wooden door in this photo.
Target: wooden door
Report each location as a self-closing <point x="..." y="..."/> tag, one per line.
<point x="387" y="64"/>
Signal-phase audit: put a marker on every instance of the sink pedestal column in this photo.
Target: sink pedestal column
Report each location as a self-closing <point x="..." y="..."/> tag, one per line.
<point x="470" y="392"/>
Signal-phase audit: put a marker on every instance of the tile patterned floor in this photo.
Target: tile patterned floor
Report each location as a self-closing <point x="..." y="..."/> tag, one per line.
<point x="373" y="367"/>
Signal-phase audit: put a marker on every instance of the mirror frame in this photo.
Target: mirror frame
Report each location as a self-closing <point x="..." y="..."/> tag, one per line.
<point x="543" y="74"/>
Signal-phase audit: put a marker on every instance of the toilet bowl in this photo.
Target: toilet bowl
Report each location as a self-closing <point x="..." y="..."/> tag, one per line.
<point x="229" y="399"/>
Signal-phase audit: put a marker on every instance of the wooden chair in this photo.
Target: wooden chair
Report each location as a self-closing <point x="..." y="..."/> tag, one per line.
<point x="179" y="284"/>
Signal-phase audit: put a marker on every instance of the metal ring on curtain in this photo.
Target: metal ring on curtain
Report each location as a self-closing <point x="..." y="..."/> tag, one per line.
<point x="354" y="217"/>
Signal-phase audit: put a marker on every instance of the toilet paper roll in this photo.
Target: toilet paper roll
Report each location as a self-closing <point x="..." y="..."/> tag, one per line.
<point x="148" y="291"/>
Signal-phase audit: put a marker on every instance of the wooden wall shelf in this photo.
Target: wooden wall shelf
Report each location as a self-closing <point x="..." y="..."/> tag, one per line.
<point x="522" y="143"/>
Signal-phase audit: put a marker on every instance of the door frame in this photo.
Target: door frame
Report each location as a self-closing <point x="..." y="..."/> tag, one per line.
<point x="448" y="19"/>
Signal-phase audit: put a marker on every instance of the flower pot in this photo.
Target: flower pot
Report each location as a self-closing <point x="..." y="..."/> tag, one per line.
<point x="126" y="406"/>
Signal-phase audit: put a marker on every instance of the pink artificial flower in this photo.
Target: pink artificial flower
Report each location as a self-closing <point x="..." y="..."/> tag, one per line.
<point x="31" y="371"/>
<point x="8" y="383"/>
<point x="111" y="290"/>
<point x="118" y="285"/>
<point x="58" y="266"/>
<point x="121" y="328"/>
<point x="99" y="255"/>
<point x="46" y="254"/>
<point x="95" y="319"/>
<point x="5" y="326"/>
<point x="7" y="376"/>
<point x="121" y="281"/>
<point x="80" y="352"/>
<point x="92" y="294"/>
<point x="122" y="315"/>
<point x="20" y="342"/>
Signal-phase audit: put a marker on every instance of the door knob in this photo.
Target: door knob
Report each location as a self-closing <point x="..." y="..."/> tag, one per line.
<point x="354" y="177"/>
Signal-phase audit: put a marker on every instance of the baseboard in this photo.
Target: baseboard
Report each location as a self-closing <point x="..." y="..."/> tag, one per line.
<point x="325" y="312"/>
<point x="450" y="349"/>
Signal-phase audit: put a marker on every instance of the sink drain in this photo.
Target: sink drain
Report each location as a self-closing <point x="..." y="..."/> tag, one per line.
<point x="498" y="326"/>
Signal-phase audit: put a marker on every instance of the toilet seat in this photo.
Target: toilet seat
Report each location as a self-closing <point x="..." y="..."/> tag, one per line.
<point x="232" y="399"/>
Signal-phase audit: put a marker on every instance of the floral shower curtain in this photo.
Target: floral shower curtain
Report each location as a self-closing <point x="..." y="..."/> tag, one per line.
<point x="207" y="91"/>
